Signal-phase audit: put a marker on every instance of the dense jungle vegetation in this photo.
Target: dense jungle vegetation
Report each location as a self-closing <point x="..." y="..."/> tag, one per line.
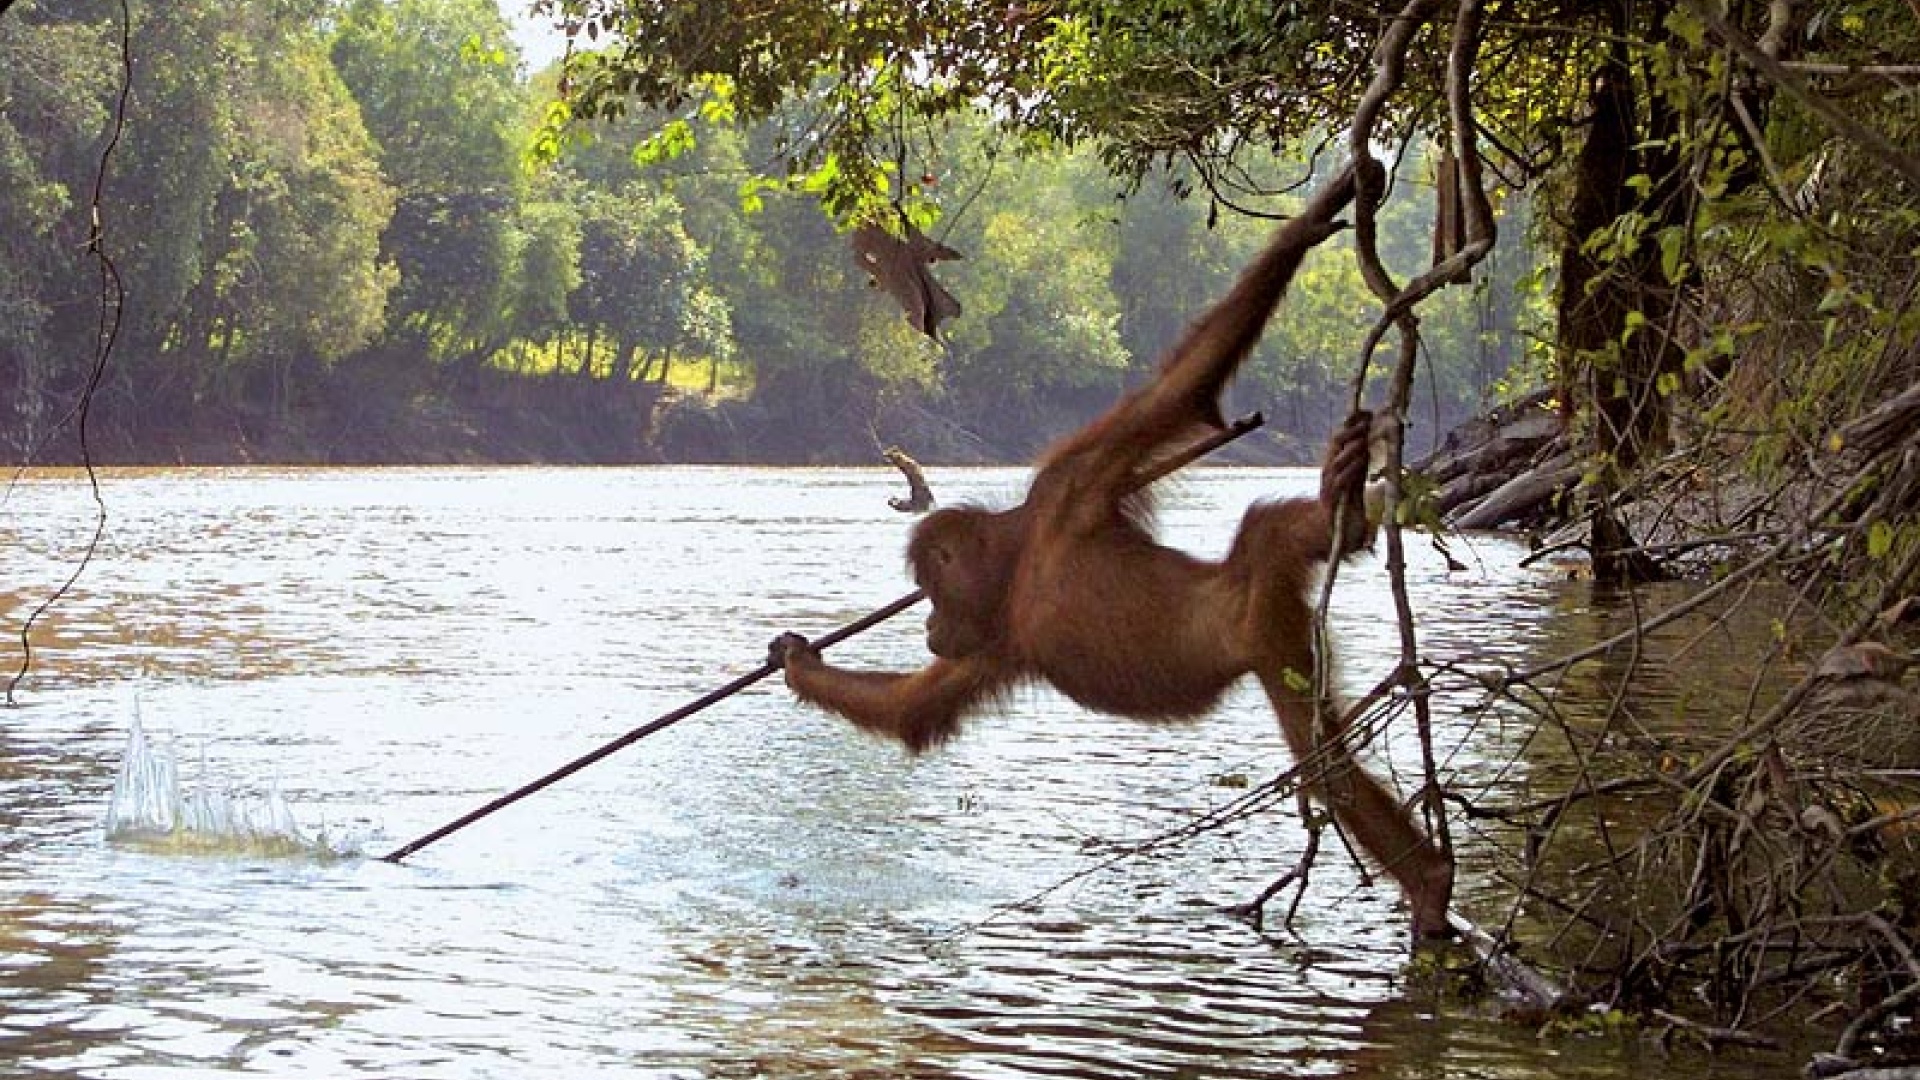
<point x="1677" y="241"/>
<point x="346" y="233"/>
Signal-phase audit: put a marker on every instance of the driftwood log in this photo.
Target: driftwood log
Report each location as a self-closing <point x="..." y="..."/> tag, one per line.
<point x="919" y="498"/>
<point x="1504" y="469"/>
<point x="1522" y="497"/>
<point x="1830" y="1067"/>
<point x="1878" y="430"/>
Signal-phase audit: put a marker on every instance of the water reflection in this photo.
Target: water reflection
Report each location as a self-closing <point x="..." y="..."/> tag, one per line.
<point x="758" y="892"/>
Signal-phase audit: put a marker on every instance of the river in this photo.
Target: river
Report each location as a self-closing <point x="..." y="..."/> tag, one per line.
<point x="758" y="891"/>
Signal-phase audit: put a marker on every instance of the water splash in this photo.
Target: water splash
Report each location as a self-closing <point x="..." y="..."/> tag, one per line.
<point x="149" y="810"/>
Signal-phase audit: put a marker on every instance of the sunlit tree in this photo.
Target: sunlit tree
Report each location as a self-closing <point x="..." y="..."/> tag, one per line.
<point x="436" y="84"/>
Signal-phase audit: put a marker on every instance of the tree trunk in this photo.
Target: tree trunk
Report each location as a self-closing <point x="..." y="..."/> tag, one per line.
<point x="1608" y="368"/>
<point x="623" y="361"/>
<point x="586" y="361"/>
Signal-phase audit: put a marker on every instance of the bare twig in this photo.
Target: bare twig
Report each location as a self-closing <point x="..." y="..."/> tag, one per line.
<point x="1892" y="1003"/>
<point x="1876" y="145"/>
<point x="1716" y="1037"/>
<point x="1885" y="71"/>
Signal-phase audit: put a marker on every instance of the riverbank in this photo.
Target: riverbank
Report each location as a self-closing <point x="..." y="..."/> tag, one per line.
<point x="483" y="416"/>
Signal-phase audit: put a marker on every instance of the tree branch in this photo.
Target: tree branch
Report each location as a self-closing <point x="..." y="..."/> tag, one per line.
<point x="1875" y="145"/>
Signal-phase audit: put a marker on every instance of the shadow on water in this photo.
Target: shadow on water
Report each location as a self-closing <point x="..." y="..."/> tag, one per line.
<point x="760" y="893"/>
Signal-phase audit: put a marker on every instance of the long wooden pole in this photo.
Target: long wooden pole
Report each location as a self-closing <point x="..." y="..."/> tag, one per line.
<point x="1156" y="472"/>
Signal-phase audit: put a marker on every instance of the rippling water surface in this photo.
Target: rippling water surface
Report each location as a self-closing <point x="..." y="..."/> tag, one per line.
<point x="756" y="892"/>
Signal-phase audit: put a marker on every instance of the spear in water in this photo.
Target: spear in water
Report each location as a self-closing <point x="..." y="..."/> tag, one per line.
<point x="1156" y="472"/>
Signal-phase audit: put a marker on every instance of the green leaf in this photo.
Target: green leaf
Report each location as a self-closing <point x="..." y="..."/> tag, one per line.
<point x="1879" y="540"/>
<point x="718" y="108"/>
<point x="671" y="141"/>
<point x="1684" y="25"/>
<point x="750" y="194"/>
<point x="1673" y="249"/>
<point x="820" y="180"/>
<point x="552" y="135"/>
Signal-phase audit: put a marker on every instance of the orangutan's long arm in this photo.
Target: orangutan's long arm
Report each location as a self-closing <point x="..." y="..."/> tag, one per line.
<point x="920" y="710"/>
<point x="1103" y="458"/>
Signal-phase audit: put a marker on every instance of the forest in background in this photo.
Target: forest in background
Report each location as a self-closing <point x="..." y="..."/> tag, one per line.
<point x="348" y="232"/>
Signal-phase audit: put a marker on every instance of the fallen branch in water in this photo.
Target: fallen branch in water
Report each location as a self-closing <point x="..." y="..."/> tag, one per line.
<point x="1717" y="1037"/>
